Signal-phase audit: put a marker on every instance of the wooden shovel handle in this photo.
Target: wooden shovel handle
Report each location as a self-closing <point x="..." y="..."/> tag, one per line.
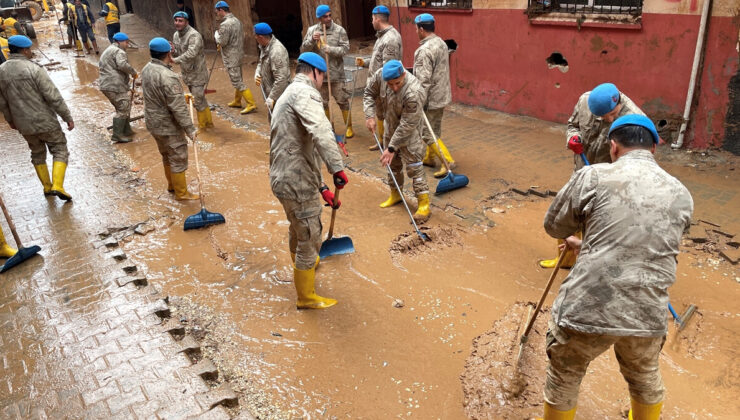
<point x="545" y="292"/>
<point x="333" y="213"/>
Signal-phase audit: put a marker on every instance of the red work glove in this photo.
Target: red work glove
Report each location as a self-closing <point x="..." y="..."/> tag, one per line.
<point x="575" y="145"/>
<point x="328" y="196"/>
<point x="340" y="180"/>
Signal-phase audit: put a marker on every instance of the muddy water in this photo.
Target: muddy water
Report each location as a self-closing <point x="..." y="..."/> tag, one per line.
<point x="370" y="356"/>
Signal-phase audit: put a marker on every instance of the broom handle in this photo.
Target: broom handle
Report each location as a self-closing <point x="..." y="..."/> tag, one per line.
<point x="215" y="57"/>
<point x="546" y="291"/>
<point x="328" y="78"/>
<point x="195" y="150"/>
<point x="333" y="213"/>
<point x="269" y="111"/>
<point x="133" y="88"/>
<point x="11" y="224"/>
<point x="434" y="136"/>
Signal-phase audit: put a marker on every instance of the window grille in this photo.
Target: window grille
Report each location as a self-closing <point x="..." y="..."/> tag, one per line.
<point x="442" y="4"/>
<point x="628" y="7"/>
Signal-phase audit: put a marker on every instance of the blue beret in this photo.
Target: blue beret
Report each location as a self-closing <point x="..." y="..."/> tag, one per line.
<point x="262" y="29"/>
<point x="159" y="45"/>
<point x="381" y="10"/>
<point x="603" y="99"/>
<point x="636" y="119"/>
<point x="322" y="10"/>
<point x="424" y="18"/>
<point x="20" y="41"/>
<point x="221" y="4"/>
<point x="393" y="69"/>
<point x="180" y="14"/>
<point x="313" y="59"/>
<point x="120" y="36"/>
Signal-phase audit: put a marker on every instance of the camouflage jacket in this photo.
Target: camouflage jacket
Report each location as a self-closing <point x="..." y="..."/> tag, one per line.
<point x="28" y="97"/>
<point x="299" y="131"/>
<point x="232" y="41"/>
<point x="188" y="53"/>
<point x="115" y="70"/>
<point x="165" y="110"/>
<point x="432" y="68"/>
<point x="593" y="130"/>
<point x="274" y="67"/>
<point x="633" y="214"/>
<point x="404" y="110"/>
<point x="387" y="47"/>
<point x="336" y="39"/>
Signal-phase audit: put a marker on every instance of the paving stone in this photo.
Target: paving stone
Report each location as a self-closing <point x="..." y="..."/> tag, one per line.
<point x="223" y="394"/>
<point x="188" y="344"/>
<point x="216" y="413"/>
<point x="173" y="327"/>
<point x="138" y="280"/>
<point x="118" y="255"/>
<point x="732" y="255"/>
<point x="697" y="233"/>
<point x="205" y="369"/>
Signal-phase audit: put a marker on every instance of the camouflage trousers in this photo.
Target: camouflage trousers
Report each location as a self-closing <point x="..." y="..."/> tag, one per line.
<point x="199" y="97"/>
<point x="174" y="151"/>
<point x="338" y="91"/>
<point x="411" y="157"/>
<point x="121" y="101"/>
<point x="435" y="120"/>
<point x="235" y="75"/>
<point x="55" y="141"/>
<point x="570" y="353"/>
<point x="305" y="230"/>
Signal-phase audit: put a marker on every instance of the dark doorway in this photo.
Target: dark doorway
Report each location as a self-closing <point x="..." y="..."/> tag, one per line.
<point x="284" y="16"/>
<point x="358" y="18"/>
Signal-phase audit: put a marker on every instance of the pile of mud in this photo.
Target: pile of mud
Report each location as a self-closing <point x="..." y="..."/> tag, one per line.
<point x="409" y="243"/>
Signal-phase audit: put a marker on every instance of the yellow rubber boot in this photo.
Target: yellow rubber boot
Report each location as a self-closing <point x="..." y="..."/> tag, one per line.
<point x="304" y="286"/>
<point x="5" y="250"/>
<point x="251" y="106"/>
<point x="237" y="102"/>
<point x="553" y="414"/>
<point x="168" y="175"/>
<point x="42" y="171"/>
<point x="443" y="171"/>
<point x="380" y="129"/>
<point x="394" y="199"/>
<point x="429" y="157"/>
<point x="348" y="122"/>
<point x="208" y="118"/>
<point x="57" y="183"/>
<point x="201" y="119"/>
<point x="641" y="411"/>
<point x="569" y="259"/>
<point x="181" y="187"/>
<point x="423" y="211"/>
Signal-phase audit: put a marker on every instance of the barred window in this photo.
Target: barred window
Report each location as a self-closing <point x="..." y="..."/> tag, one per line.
<point x="442" y="4"/>
<point x="624" y="7"/>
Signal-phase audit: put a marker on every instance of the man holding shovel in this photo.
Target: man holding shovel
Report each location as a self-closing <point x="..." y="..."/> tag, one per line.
<point x="187" y="51"/>
<point x="114" y="82"/>
<point x="230" y="39"/>
<point x="633" y="215"/>
<point x="404" y="105"/>
<point x="273" y="68"/>
<point x="300" y="138"/>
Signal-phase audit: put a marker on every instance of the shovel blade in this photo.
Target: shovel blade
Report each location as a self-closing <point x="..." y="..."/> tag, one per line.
<point x="336" y="246"/>
<point x="451" y="182"/>
<point x="202" y="219"/>
<point x="22" y="255"/>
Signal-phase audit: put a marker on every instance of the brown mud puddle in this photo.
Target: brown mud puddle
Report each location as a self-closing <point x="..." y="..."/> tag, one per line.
<point x="410" y="243"/>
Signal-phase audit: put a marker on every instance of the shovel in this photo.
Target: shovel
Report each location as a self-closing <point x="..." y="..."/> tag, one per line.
<point x="451" y="181"/>
<point x="23" y="253"/>
<point x="206" y="90"/>
<point x="335" y="246"/>
<point x="204" y="217"/>
<point x="423" y="236"/>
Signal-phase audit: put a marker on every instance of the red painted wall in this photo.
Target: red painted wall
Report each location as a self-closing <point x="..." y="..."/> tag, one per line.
<point x="500" y="64"/>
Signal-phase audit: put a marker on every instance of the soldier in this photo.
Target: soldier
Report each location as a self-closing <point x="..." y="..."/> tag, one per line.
<point x="633" y="214"/>
<point x="114" y="83"/>
<point x="299" y="136"/>
<point x="83" y="19"/>
<point x="112" y="20"/>
<point x="432" y="68"/>
<point x="587" y="133"/>
<point x="404" y="105"/>
<point x="30" y="103"/>
<point x="273" y="68"/>
<point x="11" y="26"/>
<point x="167" y="116"/>
<point x="336" y="45"/>
<point x="230" y="39"/>
<point x="387" y="47"/>
<point x="187" y="50"/>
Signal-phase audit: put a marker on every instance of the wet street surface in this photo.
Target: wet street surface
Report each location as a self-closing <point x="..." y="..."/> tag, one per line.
<point x="125" y="314"/>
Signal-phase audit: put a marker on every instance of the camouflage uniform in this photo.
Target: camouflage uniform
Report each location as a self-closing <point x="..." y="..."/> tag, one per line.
<point x="403" y="119"/>
<point x="432" y="68"/>
<point x="338" y="42"/>
<point x="30" y="101"/>
<point x="188" y="53"/>
<point x="633" y="214"/>
<point x="232" y="49"/>
<point x="114" y="80"/>
<point x="166" y="113"/>
<point x="274" y="68"/>
<point x="593" y="130"/>
<point x="387" y="47"/>
<point x="299" y="134"/>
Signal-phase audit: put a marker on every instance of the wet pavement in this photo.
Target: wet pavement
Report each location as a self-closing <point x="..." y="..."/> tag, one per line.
<point x="396" y="343"/>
